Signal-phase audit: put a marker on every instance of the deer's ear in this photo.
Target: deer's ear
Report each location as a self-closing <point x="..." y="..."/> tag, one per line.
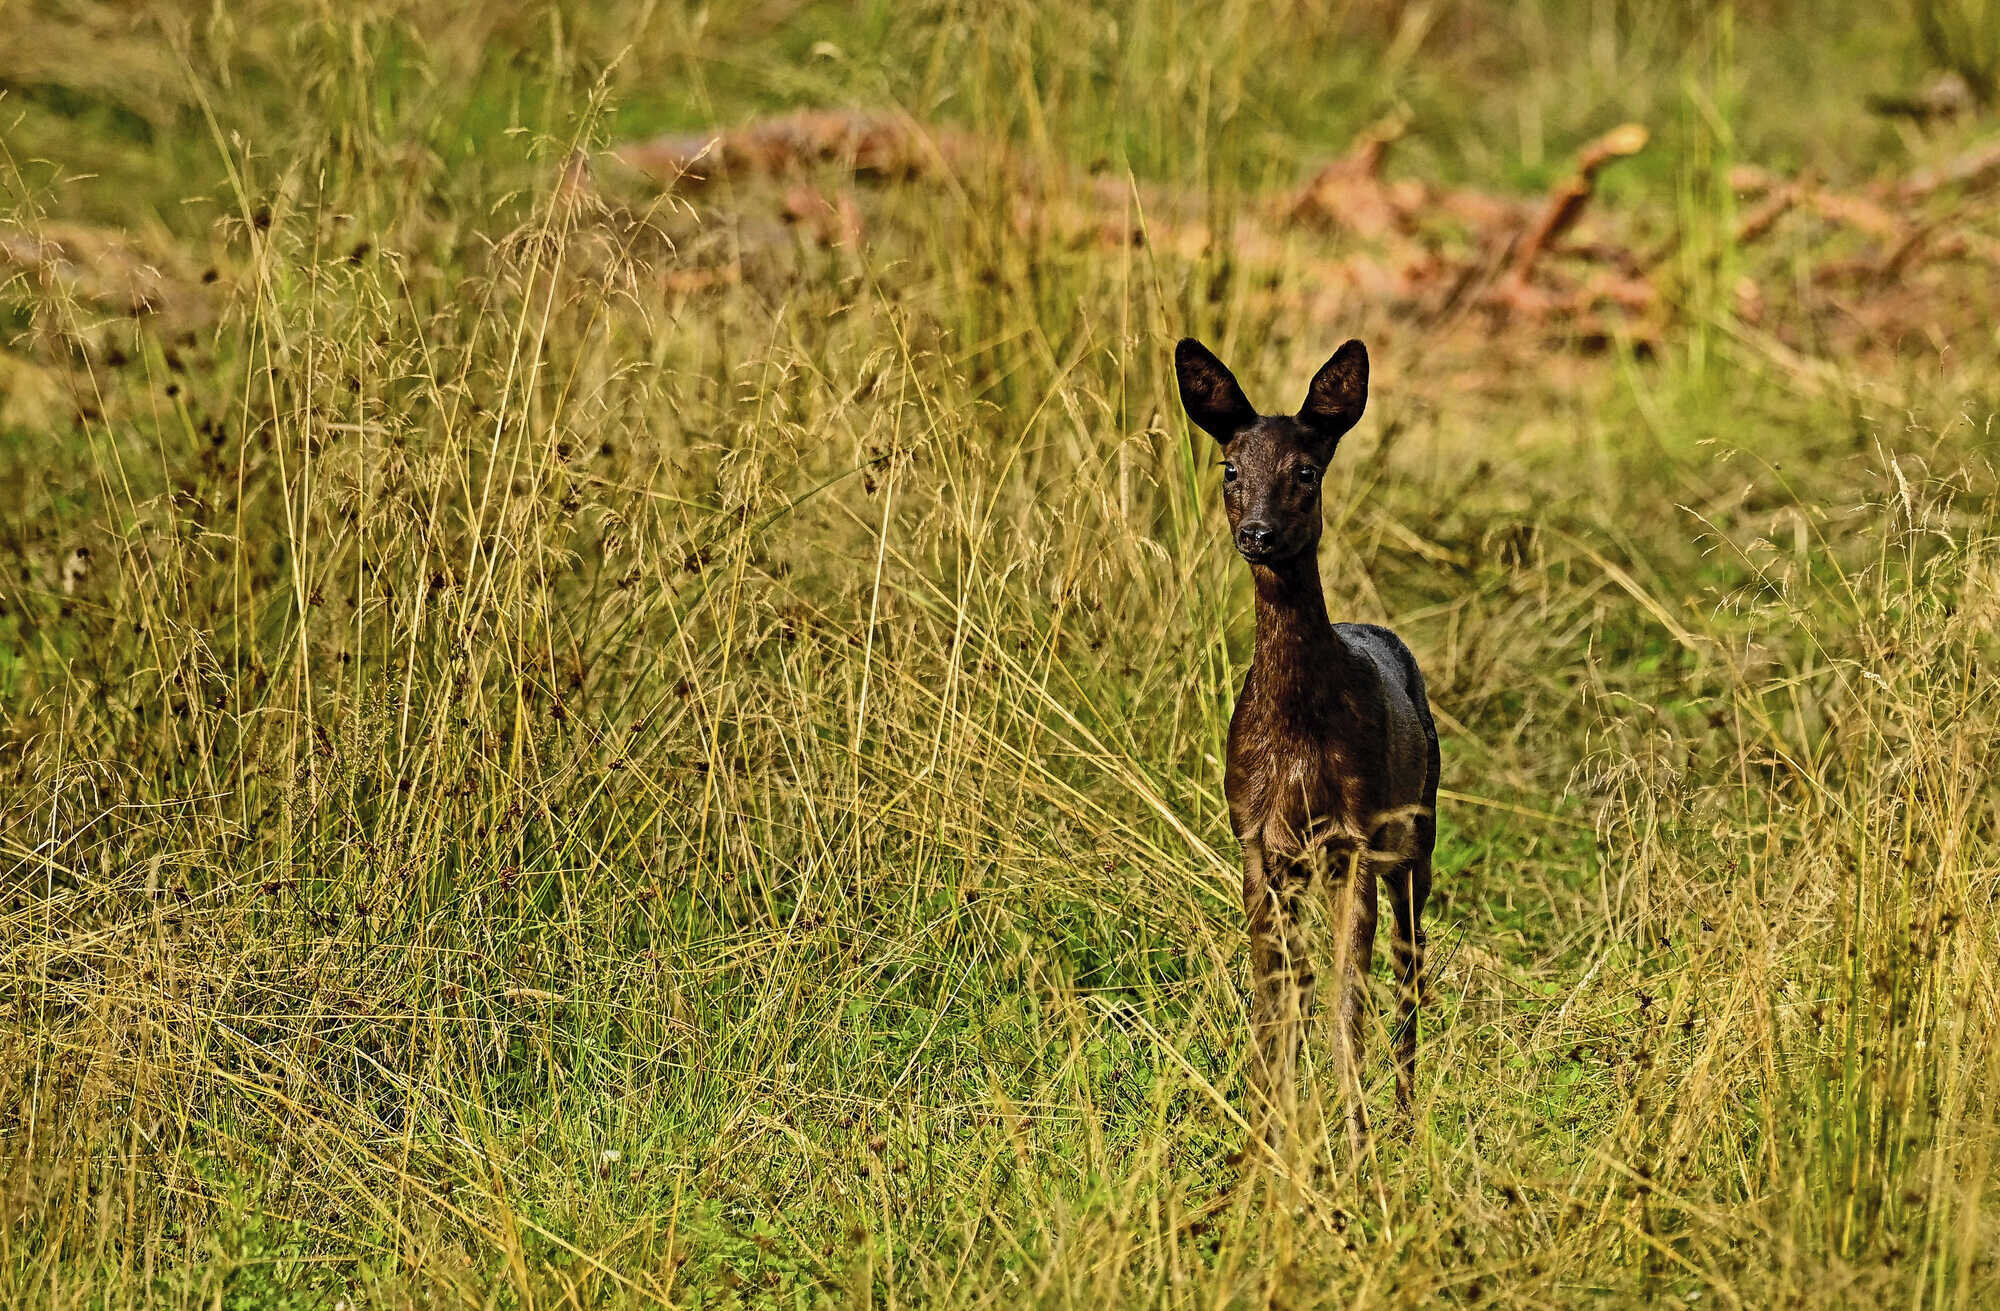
<point x="1209" y="392"/>
<point x="1339" y="393"/>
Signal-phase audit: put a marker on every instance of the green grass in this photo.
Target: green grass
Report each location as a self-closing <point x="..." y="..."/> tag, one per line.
<point x="568" y="782"/>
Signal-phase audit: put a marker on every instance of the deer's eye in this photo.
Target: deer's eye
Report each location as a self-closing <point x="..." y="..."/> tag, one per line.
<point x="1308" y="474"/>
<point x="1228" y="472"/>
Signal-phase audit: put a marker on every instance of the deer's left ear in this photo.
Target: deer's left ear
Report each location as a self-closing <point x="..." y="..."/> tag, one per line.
<point x="1339" y="393"/>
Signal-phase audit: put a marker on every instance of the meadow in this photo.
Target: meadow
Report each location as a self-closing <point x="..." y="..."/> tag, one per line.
<point x="614" y="649"/>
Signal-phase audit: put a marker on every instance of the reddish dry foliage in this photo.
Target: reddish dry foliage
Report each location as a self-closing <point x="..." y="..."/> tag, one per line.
<point x="1887" y="265"/>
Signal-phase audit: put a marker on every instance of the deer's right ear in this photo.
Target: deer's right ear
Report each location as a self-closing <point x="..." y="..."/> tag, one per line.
<point x="1209" y="392"/>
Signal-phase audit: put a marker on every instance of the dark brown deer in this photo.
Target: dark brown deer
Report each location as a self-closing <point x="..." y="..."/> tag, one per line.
<point x="1333" y="758"/>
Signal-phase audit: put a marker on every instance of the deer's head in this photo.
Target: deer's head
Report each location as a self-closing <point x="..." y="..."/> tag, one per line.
<point x="1271" y="464"/>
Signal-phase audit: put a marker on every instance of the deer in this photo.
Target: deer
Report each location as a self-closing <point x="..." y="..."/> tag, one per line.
<point x="1332" y="764"/>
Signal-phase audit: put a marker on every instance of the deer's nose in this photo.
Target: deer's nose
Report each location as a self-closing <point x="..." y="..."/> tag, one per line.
<point x="1254" y="537"/>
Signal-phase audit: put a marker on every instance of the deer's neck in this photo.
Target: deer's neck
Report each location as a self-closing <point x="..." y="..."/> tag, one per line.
<point x="1299" y="657"/>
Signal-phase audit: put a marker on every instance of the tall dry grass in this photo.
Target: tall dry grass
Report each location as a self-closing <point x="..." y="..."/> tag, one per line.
<point x="599" y="755"/>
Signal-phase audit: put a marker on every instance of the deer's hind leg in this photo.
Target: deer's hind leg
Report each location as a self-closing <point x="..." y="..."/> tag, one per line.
<point x="1281" y="992"/>
<point x="1409" y="888"/>
<point x="1351" y="896"/>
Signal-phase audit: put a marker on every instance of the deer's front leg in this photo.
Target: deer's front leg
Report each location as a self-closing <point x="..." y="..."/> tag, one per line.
<point x="1281" y="986"/>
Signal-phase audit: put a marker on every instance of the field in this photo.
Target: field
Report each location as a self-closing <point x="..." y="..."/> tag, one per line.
<point x="614" y="649"/>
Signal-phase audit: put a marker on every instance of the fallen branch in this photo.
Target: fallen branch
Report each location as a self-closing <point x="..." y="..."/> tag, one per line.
<point x="866" y="145"/>
<point x="1566" y="202"/>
